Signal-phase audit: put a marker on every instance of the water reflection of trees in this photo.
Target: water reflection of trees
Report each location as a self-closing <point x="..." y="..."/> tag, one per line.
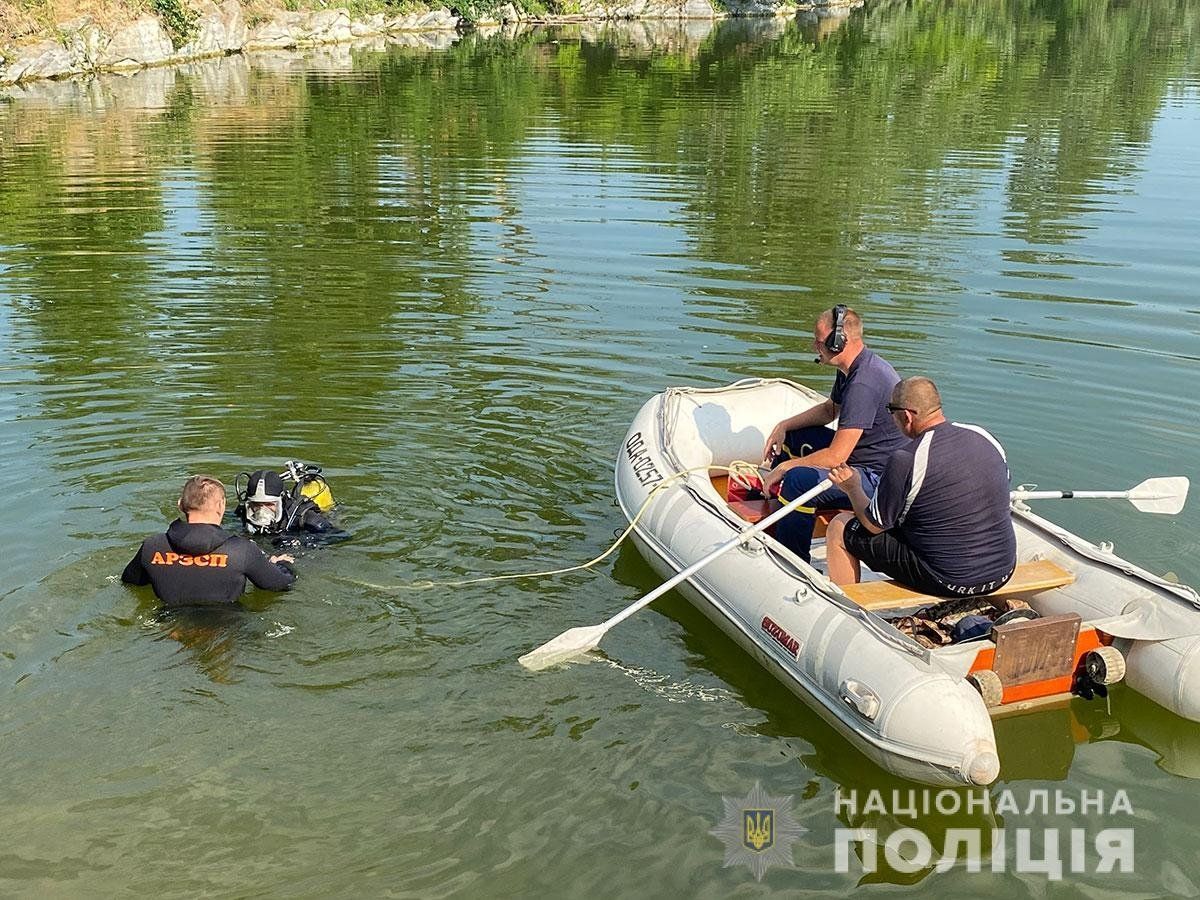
<point x="819" y="164"/>
<point x="322" y="201"/>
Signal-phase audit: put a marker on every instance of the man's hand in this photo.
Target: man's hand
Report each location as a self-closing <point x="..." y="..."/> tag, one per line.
<point x="283" y="557"/>
<point x="775" y="443"/>
<point x="773" y="477"/>
<point x="846" y="478"/>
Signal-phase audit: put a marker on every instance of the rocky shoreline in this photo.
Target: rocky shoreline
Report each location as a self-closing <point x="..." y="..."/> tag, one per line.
<point x="83" y="47"/>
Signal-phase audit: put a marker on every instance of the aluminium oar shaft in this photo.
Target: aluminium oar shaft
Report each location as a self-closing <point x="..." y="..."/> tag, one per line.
<point x="576" y="641"/>
<point x="1164" y="496"/>
<point x="1071" y="495"/>
<point x="759" y="527"/>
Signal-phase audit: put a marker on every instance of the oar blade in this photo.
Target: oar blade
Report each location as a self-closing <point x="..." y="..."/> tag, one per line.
<point x="1164" y="496"/>
<point x="567" y="645"/>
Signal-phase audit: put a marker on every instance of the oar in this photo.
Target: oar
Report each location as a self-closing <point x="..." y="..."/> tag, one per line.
<point x="580" y="640"/>
<point x="1164" y="496"/>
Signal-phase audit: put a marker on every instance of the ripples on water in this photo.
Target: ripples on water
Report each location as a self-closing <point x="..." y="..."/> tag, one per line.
<point x="451" y="277"/>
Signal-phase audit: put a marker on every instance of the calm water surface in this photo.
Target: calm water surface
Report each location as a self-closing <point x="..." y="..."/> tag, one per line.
<point x="451" y="276"/>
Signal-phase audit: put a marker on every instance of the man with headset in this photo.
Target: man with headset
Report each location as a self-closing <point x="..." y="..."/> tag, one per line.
<point x="801" y="450"/>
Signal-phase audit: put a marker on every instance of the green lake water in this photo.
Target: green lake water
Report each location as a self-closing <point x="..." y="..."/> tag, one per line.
<point x="451" y="275"/>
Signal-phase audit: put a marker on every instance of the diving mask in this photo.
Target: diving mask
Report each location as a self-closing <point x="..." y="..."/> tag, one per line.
<point x="264" y="513"/>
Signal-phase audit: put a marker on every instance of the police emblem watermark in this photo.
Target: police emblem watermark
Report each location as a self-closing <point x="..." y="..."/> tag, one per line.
<point x="758" y="831"/>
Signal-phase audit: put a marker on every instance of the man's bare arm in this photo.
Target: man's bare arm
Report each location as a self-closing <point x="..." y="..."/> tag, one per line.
<point x="821" y="414"/>
<point x="848" y="479"/>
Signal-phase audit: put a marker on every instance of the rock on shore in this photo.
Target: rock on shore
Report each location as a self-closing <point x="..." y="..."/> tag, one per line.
<point x="84" y="47"/>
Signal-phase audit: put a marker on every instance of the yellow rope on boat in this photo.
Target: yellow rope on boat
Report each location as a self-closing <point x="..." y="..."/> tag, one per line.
<point x="739" y="470"/>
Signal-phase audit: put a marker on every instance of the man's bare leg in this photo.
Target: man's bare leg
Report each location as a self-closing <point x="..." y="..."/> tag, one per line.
<point x="843" y="568"/>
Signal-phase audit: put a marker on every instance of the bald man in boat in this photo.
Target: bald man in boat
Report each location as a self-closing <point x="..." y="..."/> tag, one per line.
<point x="801" y="450"/>
<point x="939" y="520"/>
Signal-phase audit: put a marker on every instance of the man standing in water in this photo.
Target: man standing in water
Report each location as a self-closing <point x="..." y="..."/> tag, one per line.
<point x="801" y="450"/>
<point x="939" y="520"/>
<point x="196" y="563"/>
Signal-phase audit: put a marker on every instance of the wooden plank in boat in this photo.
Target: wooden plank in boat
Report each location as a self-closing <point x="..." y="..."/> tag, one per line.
<point x="1029" y="578"/>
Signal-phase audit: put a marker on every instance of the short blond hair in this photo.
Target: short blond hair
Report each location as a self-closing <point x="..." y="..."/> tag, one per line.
<point x="200" y="492"/>
<point x="851" y="323"/>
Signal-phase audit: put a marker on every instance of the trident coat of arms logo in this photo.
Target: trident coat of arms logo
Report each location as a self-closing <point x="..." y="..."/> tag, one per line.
<point x="758" y="830"/>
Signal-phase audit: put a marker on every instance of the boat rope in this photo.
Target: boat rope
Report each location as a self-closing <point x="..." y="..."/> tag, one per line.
<point x="740" y="470"/>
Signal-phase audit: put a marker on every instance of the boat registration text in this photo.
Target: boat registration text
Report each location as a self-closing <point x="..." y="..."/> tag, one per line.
<point x="644" y="469"/>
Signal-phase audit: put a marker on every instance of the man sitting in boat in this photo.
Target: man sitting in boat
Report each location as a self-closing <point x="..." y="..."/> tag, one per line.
<point x="801" y="450"/>
<point x="938" y="521"/>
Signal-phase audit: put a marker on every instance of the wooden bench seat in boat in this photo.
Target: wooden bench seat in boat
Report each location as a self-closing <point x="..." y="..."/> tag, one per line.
<point x="1029" y="578"/>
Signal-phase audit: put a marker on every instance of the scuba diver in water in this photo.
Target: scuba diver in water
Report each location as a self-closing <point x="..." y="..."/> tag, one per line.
<point x="266" y="506"/>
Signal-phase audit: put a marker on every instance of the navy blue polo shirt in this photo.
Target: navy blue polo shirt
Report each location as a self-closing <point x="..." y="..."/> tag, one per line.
<point x="946" y="493"/>
<point x="862" y="396"/>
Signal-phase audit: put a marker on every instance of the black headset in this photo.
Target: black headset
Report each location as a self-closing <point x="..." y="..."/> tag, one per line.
<point x="835" y="341"/>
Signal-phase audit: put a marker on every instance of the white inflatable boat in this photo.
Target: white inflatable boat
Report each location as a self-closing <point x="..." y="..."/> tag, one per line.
<point x="921" y="713"/>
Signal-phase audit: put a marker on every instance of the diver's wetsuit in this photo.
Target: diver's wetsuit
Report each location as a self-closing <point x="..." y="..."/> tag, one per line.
<point x="201" y="564"/>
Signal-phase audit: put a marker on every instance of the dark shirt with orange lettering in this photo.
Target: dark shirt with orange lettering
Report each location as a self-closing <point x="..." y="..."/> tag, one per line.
<point x="200" y="564"/>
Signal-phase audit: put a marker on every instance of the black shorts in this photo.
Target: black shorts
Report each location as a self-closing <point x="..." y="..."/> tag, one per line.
<point x="887" y="553"/>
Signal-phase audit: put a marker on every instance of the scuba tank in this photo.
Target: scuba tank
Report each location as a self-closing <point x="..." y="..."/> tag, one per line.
<point x="310" y="484"/>
<point x="317" y="490"/>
